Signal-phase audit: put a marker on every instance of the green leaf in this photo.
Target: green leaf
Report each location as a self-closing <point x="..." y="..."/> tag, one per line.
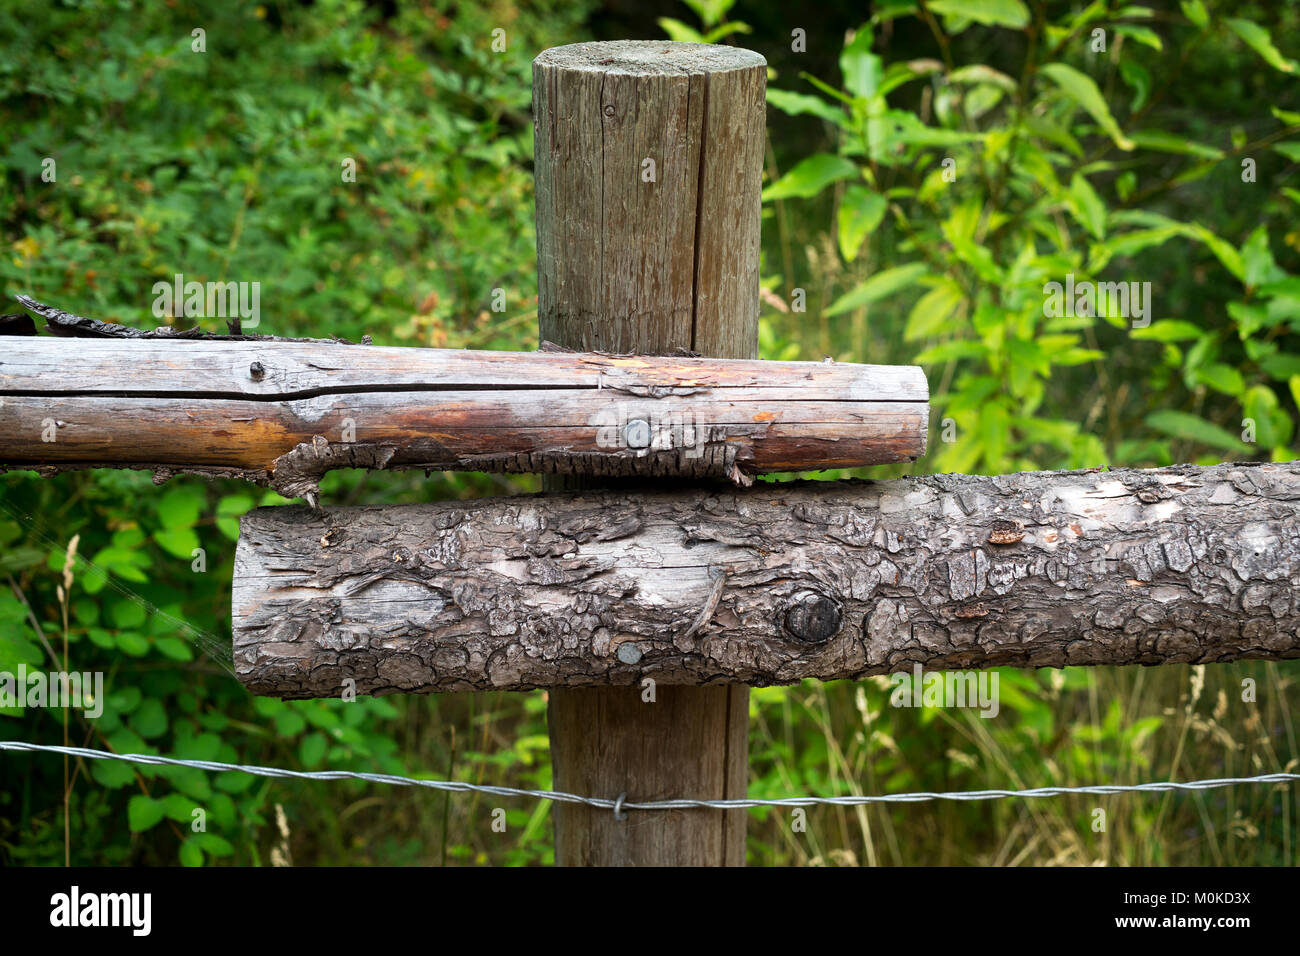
<point x="1087" y="206"/>
<point x="178" y="807"/>
<point x="1081" y="88"/>
<point x="810" y="176"/>
<point x="179" y="542"/>
<point x="132" y="644"/>
<point x="16" y="647"/>
<point x="1281" y="366"/>
<point x="993" y="13"/>
<point x="1195" y="11"/>
<point x="1169" y="143"/>
<point x="861" y="68"/>
<point x="899" y="73"/>
<point x="1221" y="378"/>
<point x="1141" y="34"/>
<point x="213" y="845"/>
<point x="234" y="782"/>
<point x="1193" y="428"/>
<point x="681" y="32"/>
<point x="1226" y="252"/>
<point x="879" y="286"/>
<point x="1138" y="78"/>
<point x="312" y="749"/>
<point x="174" y="648"/>
<point x="191" y="853"/>
<point x="289" y="723"/>
<point x="1273" y="425"/>
<point x="16" y="559"/>
<point x="947" y="351"/>
<point x="181" y="507"/>
<point x="144" y="813"/>
<point x="906" y="128"/>
<point x="1169" y="330"/>
<point x="1257" y="260"/>
<point x="978" y="257"/>
<point x="860" y="212"/>
<point x="710" y="12"/>
<point x="825" y="88"/>
<point x="112" y="774"/>
<point x="149" y="720"/>
<point x="126" y="612"/>
<point x="1257" y="38"/>
<point x="235" y="505"/>
<point x="978" y="73"/>
<point x="725" y="30"/>
<point x="93" y="579"/>
<point x="122" y="562"/>
<point x="799" y="104"/>
<point x="1291" y="119"/>
<point x="1290" y="150"/>
<point x="931" y="312"/>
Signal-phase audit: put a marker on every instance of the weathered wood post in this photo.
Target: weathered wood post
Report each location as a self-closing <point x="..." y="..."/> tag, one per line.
<point x="649" y="164"/>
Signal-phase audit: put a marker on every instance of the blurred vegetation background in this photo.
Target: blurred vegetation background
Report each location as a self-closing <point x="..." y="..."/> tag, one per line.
<point x="930" y="167"/>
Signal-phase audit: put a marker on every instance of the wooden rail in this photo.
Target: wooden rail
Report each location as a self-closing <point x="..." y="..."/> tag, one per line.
<point x="773" y="584"/>
<point x="286" y="412"/>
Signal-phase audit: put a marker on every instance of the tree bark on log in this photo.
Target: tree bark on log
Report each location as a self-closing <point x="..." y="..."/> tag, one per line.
<point x="285" y="413"/>
<point x="773" y="584"/>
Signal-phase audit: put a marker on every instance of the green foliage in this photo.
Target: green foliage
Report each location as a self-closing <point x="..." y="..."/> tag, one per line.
<point x="994" y="151"/>
<point x="227" y="165"/>
<point x="962" y="193"/>
<point x="712" y="14"/>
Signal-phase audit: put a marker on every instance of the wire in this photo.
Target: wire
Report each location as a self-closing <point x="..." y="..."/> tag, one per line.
<point x="622" y="803"/>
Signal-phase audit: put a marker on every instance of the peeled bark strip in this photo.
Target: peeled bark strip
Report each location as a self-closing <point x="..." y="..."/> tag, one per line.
<point x="284" y="413"/>
<point x="773" y="584"/>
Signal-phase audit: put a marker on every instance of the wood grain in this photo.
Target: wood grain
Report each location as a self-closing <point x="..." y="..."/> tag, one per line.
<point x="285" y="413"/>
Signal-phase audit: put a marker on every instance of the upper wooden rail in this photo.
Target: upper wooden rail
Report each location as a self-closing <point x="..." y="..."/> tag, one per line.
<point x="284" y="412"/>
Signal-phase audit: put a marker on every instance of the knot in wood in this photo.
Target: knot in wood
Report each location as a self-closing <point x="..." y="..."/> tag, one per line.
<point x="1152" y="493"/>
<point x="813" y="618"/>
<point x="1004" y="531"/>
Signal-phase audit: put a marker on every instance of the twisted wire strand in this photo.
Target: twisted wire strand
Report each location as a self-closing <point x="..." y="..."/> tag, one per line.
<point x="622" y="804"/>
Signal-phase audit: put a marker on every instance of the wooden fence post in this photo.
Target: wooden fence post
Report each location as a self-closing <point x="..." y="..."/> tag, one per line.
<point x="648" y="161"/>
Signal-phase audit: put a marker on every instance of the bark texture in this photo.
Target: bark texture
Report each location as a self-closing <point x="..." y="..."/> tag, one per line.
<point x="774" y="584"/>
<point x="284" y="413"/>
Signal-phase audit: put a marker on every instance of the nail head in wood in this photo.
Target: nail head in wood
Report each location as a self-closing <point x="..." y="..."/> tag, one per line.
<point x="637" y="433"/>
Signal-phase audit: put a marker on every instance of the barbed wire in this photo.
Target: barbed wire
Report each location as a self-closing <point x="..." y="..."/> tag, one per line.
<point x="622" y="804"/>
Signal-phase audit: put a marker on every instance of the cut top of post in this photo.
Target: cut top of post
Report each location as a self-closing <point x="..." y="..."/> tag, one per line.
<point x="650" y="57"/>
<point x="649" y="168"/>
